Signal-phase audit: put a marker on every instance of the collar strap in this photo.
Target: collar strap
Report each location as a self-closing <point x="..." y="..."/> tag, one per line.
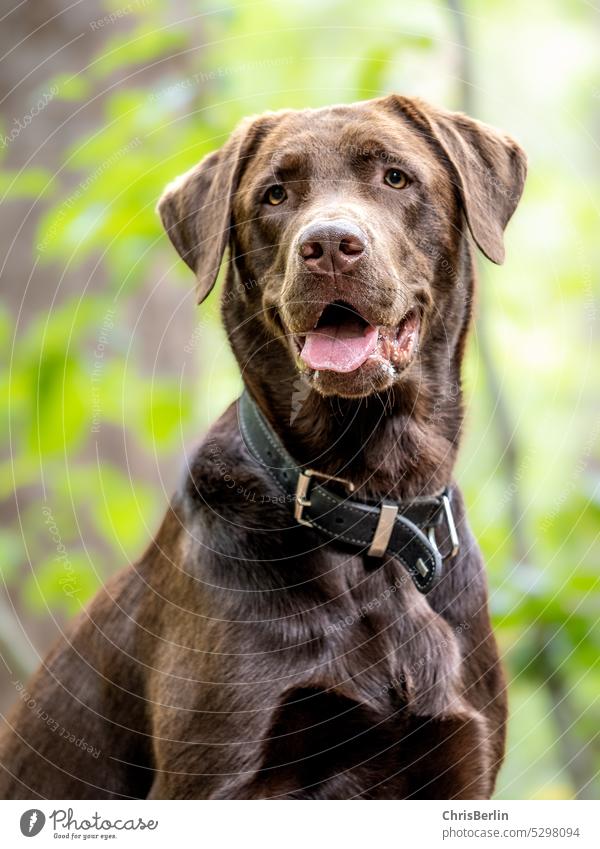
<point x="404" y="529"/>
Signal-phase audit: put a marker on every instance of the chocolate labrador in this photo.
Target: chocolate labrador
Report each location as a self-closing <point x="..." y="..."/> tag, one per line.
<point x="311" y="619"/>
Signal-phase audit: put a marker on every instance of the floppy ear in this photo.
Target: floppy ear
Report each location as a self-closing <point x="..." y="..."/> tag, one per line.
<point x="489" y="169"/>
<point x="195" y="209"/>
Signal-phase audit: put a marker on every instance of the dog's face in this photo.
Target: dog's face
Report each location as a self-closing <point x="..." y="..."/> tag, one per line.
<point x="345" y="225"/>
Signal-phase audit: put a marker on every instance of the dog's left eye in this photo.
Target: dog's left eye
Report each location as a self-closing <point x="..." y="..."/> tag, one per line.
<point x="396" y="179"/>
<point x="275" y="195"/>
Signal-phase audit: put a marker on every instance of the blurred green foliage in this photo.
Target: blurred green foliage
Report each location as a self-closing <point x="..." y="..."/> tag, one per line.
<point x="171" y="91"/>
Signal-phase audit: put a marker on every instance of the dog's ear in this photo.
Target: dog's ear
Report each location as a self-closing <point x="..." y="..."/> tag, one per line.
<point x="488" y="168"/>
<point x="195" y="209"/>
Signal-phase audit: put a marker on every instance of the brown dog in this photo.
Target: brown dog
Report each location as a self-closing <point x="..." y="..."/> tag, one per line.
<point x="253" y="652"/>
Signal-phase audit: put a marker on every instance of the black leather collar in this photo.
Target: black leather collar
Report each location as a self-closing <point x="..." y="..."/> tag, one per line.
<point x="405" y="530"/>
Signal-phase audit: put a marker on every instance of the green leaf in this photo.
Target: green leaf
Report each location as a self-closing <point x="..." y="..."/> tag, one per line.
<point x="166" y="414"/>
<point x="11" y="554"/>
<point x="61" y="583"/>
<point x="373" y="70"/>
<point x="140" y="46"/>
<point x="71" y="86"/>
<point x="58" y="391"/>
<point x="26" y="184"/>
<point x="125" y="511"/>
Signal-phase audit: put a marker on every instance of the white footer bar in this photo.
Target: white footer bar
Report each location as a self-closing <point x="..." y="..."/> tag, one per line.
<point x="301" y="825"/>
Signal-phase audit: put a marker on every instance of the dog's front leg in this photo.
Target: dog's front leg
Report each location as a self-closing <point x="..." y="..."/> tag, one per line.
<point x="448" y="758"/>
<point x="78" y="729"/>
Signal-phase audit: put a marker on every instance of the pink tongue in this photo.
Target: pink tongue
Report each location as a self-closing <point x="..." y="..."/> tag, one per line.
<point x="340" y="348"/>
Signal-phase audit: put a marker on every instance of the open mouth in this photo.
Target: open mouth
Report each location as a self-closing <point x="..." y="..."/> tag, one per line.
<point x="343" y="340"/>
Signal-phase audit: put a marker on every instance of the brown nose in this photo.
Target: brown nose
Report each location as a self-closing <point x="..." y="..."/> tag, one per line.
<point x="329" y="247"/>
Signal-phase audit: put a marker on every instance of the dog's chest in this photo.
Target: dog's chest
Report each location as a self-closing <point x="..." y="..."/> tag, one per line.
<point x="307" y="680"/>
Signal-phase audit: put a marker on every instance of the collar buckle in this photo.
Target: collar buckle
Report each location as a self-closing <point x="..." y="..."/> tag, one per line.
<point x="450" y="524"/>
<point x="302" y="498"/>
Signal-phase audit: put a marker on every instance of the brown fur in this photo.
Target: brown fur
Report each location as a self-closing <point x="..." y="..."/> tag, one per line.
<point x="241" y="657"/>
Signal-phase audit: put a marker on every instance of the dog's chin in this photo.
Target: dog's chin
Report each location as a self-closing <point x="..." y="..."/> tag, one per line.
<point x="394" y="350"/>
<point x="369" y="379"/>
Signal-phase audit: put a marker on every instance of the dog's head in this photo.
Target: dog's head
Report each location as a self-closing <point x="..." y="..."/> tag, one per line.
<point x="346" y="229"/>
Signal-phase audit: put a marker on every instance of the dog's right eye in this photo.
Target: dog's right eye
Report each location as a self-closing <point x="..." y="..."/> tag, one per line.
<point x="275" y="195"/>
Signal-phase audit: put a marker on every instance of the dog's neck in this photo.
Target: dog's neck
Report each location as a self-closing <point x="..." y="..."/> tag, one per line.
<point x="398" y="444"/>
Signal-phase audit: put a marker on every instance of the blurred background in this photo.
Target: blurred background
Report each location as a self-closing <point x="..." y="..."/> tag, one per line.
<point x="111" y="373"/>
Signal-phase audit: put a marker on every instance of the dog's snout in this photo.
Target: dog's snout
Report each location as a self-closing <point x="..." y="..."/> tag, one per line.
<point x="331" y="246"/>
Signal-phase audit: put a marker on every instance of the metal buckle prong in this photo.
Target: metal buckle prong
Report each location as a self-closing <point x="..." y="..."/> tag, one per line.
<point x="451" y="525"/>
<point x="451" y="528"/>
<point x="302" y="491"/>
<point x="431" y="537"/>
